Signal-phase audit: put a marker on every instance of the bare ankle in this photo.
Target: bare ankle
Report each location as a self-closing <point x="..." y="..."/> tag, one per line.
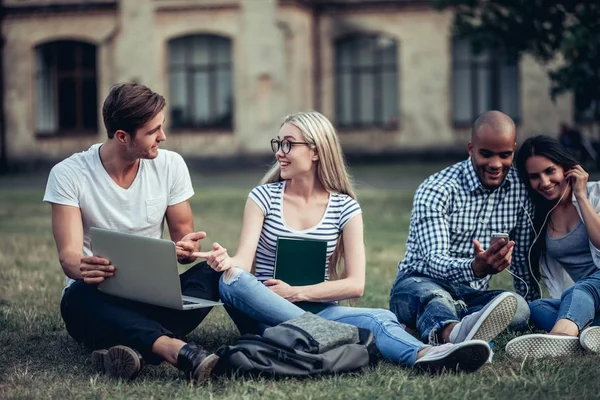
<point x="445" y="333"/>
<point x="423" y="351"/>
<point x="565" y="327"/>
<point x="168" y="348"/>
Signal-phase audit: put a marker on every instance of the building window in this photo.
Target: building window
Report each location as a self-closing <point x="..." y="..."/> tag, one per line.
<point x="488" y="81"/>
<point x="200" y="82"/>
<point x="66" y="88"/>
<point x="366" y="82"/>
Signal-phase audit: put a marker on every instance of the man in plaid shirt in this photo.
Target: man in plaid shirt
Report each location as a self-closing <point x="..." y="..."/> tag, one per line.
<point x="441" y="287"/>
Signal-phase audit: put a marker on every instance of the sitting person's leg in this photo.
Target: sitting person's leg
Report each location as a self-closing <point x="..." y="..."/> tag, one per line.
<point x="544" y="313"/>
<point x="242" y="291"/>
<point x="578" y="306"/>
<point x="568" y="336"/>
<point x="505" y="305"/>
<point x="100" y="321"/>
<point x="452" y="313"/>
<point x="398" y="346"/>
<point x="420" y="301"/>
<point x="393" y="342"/>
<point x="199" y="281"/>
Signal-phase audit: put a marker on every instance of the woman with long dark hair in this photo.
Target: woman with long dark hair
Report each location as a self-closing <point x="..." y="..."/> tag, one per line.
<point x="564" y="252"/>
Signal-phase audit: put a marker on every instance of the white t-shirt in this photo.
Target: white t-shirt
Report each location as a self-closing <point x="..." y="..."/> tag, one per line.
<point x="81" y="181"/>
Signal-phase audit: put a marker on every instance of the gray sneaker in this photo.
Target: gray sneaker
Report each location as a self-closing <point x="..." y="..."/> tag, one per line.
<point x="543" y="346"/>
<point x="488" y="322"/>
<point x="589" y="338"/>
<point x="461" y="357"/>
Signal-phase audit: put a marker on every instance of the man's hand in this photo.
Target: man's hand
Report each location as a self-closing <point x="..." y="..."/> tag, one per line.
<point x="217" y="259"/>
<point x="189" y="244"/>
<point x="495" y="259"/>
<point x="95" y="269"/>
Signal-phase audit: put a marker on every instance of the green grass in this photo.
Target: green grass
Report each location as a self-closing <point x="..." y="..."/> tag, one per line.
<point x="39" y="360"/>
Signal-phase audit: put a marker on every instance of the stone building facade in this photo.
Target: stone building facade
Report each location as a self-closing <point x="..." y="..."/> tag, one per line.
<point x="386" y="72"/>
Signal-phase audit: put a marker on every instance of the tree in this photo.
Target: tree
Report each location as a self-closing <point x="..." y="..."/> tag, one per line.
<point x="543" y="29"/>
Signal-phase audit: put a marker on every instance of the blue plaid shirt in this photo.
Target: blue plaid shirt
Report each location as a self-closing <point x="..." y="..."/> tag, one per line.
<point x="450" y="209"/>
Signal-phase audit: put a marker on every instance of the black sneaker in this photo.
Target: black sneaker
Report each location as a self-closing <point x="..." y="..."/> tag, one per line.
<point x="118" y="362"/>
<point x="196" y="362"/>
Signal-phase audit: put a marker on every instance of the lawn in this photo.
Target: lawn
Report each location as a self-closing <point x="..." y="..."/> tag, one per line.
<point x="39" y="360"/>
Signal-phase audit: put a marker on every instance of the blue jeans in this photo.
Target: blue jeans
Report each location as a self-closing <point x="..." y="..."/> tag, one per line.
<point x="430" y="304"/>
<point x="579" y="304"/>
<point x="242" y="291"/>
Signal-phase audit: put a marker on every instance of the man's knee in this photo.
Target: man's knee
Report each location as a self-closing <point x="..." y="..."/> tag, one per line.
<point x="521" y="318"/>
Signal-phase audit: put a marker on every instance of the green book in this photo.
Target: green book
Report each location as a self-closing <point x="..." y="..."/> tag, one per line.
<point x="301" y="262"/>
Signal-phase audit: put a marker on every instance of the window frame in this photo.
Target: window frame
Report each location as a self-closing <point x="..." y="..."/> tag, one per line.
<point x="377" y="70"/>
<point x="212" y="68"/>
<point x="79" y="73"/>
<point x="494" y="64"/>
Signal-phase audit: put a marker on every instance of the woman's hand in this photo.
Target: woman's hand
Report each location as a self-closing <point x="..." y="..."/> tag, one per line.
<point x="290" y="293"/>
<point x="217" y="258"/>
<point x="578" y="178"/>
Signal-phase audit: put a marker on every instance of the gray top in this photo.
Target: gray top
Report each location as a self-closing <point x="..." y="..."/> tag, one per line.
<point x="573" y="252"/>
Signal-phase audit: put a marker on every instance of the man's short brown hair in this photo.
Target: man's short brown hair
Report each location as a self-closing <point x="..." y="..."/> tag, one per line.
<point x="129" y="106"/>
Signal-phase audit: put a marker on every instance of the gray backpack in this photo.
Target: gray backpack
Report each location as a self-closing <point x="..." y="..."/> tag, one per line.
<point x="305" y="346"/>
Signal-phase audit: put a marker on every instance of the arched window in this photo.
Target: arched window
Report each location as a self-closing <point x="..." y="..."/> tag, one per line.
<point x="66" y="88"/>
<point x="366" y="82"/>
<point x="200" y="82"/>
<point x="488" y="81"/>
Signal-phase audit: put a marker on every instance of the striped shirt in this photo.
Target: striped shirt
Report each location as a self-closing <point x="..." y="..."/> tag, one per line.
<point x="450" y="209"/>
<point x="340" y="209"/>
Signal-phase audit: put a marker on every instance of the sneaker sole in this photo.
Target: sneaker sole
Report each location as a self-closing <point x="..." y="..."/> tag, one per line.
<point x="590" y="339"/>
<point x="117" y="362"/>
<point x="496" y="321"/>
<point x="543" y="346"/>
<point x="466" y="358"/>
<point x="204" y="371"/>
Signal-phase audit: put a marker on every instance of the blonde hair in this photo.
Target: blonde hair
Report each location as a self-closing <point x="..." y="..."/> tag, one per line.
<point x="332" y="170"/>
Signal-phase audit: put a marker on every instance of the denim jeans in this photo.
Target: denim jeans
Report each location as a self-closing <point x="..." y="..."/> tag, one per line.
<point x="430" y="304"/>
<point x="579" y="304"/>
<point x="242" y="291"/>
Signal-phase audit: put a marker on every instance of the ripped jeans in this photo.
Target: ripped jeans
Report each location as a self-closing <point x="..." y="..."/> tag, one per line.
<point x="579" y="304"/>
<point x="242" y="291"/>
<point x="429" y="304"/>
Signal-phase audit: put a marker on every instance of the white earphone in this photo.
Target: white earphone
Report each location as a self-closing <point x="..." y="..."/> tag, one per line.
<point x="536" y="237"/>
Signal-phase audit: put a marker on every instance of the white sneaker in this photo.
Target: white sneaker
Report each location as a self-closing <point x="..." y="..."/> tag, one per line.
<point x="589" y="338"/>
<point x="488" y="322"/>
<point x="461" y="357"/>
<point x="543" y="345"/>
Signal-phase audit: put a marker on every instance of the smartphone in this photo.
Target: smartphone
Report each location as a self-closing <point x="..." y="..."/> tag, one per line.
<point x="499" y="235"/>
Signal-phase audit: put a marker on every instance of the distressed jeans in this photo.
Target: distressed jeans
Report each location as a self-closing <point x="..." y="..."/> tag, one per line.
<point x="242" y="291"/>
<point x="579" y="304"/>
<point x="430" y="304"/>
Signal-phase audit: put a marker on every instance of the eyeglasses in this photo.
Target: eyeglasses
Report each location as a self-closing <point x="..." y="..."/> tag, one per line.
<point x="285" y="145"/>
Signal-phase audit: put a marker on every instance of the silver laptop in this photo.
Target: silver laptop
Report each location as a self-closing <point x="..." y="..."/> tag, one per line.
<point x="145" y="270"/>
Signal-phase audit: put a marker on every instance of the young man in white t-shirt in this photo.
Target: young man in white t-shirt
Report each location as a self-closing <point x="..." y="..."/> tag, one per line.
<point x="127" y="184"/>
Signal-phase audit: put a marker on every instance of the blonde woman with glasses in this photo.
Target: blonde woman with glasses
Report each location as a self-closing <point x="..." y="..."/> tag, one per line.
<point x="307" y="194"/>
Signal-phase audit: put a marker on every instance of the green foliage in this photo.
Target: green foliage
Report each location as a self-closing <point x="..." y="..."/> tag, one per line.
<point x="544" y="29"/>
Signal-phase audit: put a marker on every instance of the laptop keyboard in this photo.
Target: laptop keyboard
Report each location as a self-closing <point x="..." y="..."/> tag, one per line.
<point x="186" y="302"/>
